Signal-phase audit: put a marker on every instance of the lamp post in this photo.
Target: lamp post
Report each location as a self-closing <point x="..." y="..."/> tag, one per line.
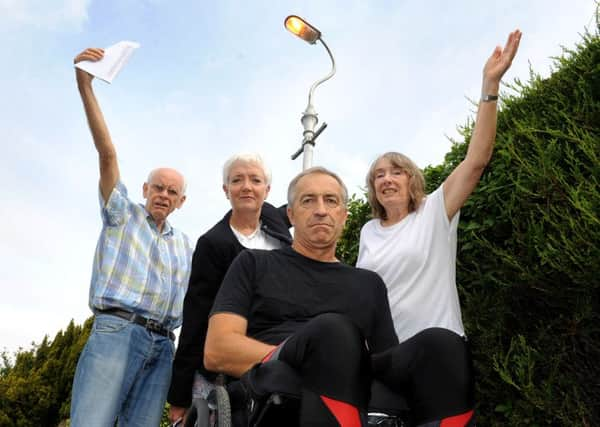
<point x="309" y="120"/>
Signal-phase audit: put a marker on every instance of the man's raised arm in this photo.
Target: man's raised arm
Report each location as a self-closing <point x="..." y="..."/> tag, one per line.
<point x="107" y="155"/>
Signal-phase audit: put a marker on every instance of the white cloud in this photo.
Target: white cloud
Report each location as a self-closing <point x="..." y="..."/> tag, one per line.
<point x="44" y="14"/>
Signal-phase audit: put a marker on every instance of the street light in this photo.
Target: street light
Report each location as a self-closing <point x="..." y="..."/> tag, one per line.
<point x="310" y="34"/>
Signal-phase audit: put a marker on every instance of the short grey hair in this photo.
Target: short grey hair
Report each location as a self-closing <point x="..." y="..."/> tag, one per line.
<point x="246" y="158"/>
<point x="154" y="171"/>
<point x="291" y="194"/>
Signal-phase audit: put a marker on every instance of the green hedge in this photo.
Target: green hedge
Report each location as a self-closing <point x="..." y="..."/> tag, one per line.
<point x="35" y="387"/>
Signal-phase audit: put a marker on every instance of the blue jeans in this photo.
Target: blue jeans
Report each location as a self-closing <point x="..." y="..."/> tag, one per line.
<point x="123" y="373"/>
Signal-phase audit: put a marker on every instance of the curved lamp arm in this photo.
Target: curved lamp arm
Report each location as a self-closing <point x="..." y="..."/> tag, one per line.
<point x="327" y="77"/>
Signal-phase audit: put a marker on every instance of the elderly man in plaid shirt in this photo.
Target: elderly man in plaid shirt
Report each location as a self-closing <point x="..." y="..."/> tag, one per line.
<point x="140" y="275"/>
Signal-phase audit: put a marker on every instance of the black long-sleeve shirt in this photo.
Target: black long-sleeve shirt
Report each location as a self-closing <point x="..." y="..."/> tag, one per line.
<point x="214" y="253"/>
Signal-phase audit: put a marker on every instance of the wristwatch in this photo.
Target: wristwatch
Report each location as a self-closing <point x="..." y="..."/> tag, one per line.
<point x="489" y="98"/>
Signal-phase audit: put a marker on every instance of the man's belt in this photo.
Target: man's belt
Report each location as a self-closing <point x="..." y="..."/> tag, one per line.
<point x="149" y="324"/>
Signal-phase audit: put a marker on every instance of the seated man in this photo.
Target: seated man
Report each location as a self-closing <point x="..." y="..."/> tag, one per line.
<point x="329" y="321"/>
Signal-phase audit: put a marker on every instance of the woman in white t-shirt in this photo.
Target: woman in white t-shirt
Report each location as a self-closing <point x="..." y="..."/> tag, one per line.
<point x="411" y="240"/>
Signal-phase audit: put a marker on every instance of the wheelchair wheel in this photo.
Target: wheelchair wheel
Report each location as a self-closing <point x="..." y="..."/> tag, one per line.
<point x="223" y="410"/>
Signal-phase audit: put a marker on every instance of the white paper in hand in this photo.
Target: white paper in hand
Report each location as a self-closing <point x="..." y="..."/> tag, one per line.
<point x="115" y="57"/>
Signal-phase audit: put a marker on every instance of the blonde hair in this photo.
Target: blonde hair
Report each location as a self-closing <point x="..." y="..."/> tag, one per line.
<point x="416" y="183"/>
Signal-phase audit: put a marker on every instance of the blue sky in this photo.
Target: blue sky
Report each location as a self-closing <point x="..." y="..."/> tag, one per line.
<point x="215" y="78"/>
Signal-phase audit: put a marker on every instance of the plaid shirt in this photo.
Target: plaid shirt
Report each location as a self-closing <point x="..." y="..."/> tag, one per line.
<point x="137" y="267"/>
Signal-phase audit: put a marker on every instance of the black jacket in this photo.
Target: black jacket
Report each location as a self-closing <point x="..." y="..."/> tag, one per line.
<point x="214" y="253"/>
